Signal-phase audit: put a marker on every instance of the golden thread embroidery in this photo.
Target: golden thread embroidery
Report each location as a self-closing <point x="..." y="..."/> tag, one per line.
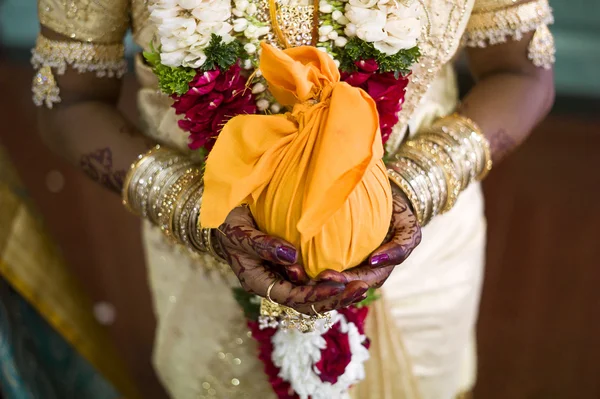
<point x="498" y="26"/>
<point x="106" y="60"/>
<point x="293" y="25"/>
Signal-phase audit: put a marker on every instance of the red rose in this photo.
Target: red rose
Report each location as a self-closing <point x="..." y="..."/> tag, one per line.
<point x="335" y="357"/>
<point x="387" y="91"/>
<point x="356" y="315"/>
<point x="214" y="97"/>
<point x="282" y="388"/>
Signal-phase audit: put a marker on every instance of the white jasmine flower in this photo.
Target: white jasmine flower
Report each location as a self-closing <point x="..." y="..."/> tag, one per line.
<point x="275" y="108"/>
<point x="263" y="30"/>
<point x="325" y="30"/>
<point x="401" y="34"/>
<point x="189" y="4"/>
<point x="194" y="59"/>
<point x="252" y="9"/>
<point x="240" y="24"/>
<point x="241" y="5"/>
<point x="350" y="30"/>
<point x="341" y="41"/>
<point x="332" y="35"/>
<point x="343" y="20"/>
<point x="250" y="48"/>
<point x="179" y="27"/>
<point x="336" y="15"/>
<point x="262" y="104"/>
<point x="258" y="88"/>
<point x="213" y="11"/>
<point x="363" y="3"/>
<point x="173" y="58"/>
<point x="158" y="14"/>
<point x="325" y="7"/>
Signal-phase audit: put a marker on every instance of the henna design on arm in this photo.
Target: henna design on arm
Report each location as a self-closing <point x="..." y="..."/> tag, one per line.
<point x="501" y="144"/>
<point x="98" y="165"/>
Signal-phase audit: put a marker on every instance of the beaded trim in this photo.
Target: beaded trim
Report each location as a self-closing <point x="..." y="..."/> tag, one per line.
<point x="542" y="50"/>
<point x="106" y="60"/>
<point x="497" y="26"/>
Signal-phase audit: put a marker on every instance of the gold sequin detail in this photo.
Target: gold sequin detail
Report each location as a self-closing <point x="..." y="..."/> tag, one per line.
<point x="497" y="26"/>
<point x="297" y="23"/>
<point x="296" y="20"/>
<point x="106" y="60"/>
<point x="542" y="50"/>
<point x="44" y="88"/>
<point x="98" y="21"/>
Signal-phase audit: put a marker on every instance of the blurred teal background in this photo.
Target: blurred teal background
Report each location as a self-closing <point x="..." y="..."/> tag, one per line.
<point x="577" y="32"/>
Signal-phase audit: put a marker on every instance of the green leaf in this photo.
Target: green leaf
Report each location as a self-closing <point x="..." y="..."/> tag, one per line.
<point x="171" y="80"/>
<point x="357" y="49"/>
<point x="222" y="55"/>
<point x="248" y="303"/>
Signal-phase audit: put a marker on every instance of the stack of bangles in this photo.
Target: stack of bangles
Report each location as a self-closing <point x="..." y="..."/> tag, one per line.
<point x="433" y="168"/>
<point x="166" y="188"/>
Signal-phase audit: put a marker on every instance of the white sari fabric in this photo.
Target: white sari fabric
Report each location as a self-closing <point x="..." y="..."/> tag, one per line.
<point x="421" y="329"/>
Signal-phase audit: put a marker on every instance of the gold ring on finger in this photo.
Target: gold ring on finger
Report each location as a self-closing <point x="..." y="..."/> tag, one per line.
<point x="268" y="296"/>
<point x="315" y="310"/>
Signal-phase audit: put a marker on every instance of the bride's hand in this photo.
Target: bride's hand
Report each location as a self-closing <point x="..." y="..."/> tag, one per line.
<point x="249" y="252"/>
<point x="405" y="236"/>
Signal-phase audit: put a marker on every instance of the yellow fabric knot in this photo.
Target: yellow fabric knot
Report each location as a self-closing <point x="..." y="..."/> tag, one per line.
<point x="313" y="176"/>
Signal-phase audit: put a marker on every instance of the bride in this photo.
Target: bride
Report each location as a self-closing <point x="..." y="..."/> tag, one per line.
<point x="429" y="280"/>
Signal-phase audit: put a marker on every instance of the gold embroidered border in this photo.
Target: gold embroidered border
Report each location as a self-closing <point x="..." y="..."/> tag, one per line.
<point x="493" y="27"/>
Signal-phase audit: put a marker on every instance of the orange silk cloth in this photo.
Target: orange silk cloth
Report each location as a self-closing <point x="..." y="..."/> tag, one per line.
<point x="314" y="176"/>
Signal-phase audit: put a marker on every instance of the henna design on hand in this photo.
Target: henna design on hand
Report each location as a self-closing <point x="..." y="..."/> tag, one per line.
<point x="405" y="234"/>
<point x="254" y="258"/>
<point x="98" y="165"/>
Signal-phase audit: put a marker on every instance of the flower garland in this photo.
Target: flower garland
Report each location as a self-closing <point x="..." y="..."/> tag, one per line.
<point x="322" y="364"/>
<point x="203" y="44"/>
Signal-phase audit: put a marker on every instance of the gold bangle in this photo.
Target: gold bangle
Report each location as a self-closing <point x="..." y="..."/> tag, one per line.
<point x="169" y="201"/>
<point x="188" y="216"/>
<point x="416" y="178"/>
<point x="177" y="228"/>
<point x="164" y="179"/>
<point x="407" y="189"/>
<point x="476" y="133"/>
<point x="448" y="166"/>
<point x="434" y="172"/>
<point x="128" y="178"/>
<point x="207" y="234"/>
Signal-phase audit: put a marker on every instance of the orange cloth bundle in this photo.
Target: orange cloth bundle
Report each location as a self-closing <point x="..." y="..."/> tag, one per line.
<point x="313" y="176"/>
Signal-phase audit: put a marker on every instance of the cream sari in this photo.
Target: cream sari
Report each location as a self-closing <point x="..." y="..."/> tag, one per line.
<point x="421" y="329"/>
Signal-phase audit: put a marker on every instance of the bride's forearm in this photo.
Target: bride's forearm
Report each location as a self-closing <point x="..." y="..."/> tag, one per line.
<point x="94" y="137"/>
<point x="511" y="95"/>
<point x="77" y="87"/>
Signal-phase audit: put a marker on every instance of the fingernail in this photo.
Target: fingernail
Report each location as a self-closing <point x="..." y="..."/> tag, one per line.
<point x="360" y="293"/>
<point x="362" y="298"/>
<point x="293" y="275"/>
<point x="379" y="259"/>
<point x="286" y="254"/>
